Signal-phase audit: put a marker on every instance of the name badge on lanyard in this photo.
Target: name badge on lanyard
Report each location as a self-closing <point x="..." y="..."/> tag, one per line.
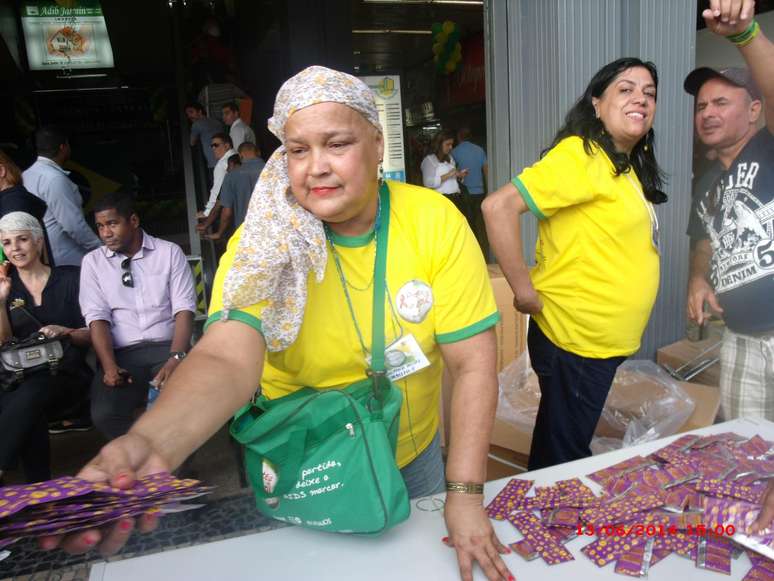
<point x="403" y="357"/>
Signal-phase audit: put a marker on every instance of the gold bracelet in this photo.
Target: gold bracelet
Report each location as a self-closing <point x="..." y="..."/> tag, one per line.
<point x="465" y="487"/>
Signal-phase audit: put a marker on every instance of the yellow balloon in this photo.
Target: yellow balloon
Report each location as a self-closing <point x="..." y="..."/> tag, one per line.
<point x="437" y="48"/>
<point x="448" y="27"/>
<point x="450" y="66"/>
<point x="442" y="38"/>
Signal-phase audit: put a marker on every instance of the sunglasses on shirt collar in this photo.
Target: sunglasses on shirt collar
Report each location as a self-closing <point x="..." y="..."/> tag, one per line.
<point x="126" y="277"/>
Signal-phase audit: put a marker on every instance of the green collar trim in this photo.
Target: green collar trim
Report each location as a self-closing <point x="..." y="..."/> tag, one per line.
<point x="362" y="239"/>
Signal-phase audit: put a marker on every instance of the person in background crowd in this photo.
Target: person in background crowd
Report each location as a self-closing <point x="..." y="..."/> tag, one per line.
<point x="203" y="129"/>
<point x="14" y="198"/>
<point x="471" y="158"/>
<point x="137" y="297"/>
<point x="69" y="234"/>
<point x="239" y="131"/>
<point x="597" y="273"/>
<point x="439" y="171"/>
<point x="236" y="192"/>
<point x="223" y="150"/>
<point x="234" y="161"/>
<point x="36" y="298"/>
<point x="332" y="148"/>
<point x="731" y="264"/>
<point x="219" y="92"/>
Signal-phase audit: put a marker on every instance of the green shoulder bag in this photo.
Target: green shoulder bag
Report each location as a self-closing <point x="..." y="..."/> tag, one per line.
<point x="325" y="459"/>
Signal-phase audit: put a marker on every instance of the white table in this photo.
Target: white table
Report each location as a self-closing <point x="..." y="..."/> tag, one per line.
<point x="410" y="551"/>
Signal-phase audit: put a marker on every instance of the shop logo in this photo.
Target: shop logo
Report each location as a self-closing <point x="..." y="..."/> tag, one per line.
<point x="386" y="89"/>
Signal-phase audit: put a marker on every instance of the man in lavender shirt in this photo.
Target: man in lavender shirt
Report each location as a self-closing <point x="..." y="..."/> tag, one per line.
<point x="137" y="296"/>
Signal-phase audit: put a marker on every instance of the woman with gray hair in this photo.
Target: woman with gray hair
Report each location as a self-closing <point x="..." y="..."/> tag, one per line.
<point x="35" y="298"/>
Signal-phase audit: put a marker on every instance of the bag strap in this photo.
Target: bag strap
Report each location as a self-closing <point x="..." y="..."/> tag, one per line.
<point x="32" y="317"/>
<point x="377" y="370"/>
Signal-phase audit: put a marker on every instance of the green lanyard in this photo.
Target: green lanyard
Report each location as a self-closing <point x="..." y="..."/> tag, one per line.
<point x="381" y="231"/>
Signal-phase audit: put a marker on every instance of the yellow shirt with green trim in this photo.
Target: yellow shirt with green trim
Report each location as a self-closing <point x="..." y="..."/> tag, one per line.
<point x="597" y="270"/>
<point x="432" y="255"/>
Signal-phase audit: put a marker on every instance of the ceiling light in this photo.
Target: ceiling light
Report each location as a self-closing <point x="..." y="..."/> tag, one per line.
<point x="389" y="31"/>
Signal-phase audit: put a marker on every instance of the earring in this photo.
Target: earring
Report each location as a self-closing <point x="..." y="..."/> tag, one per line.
<point x="380" y="173"/>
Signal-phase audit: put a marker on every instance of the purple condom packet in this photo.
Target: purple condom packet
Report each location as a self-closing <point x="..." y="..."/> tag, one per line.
<point x="714" y="554"/>
<point x="17" y="497"/>
<point x="508" y="499"/>
<point x="551" y="551"/>
<point x="636" y="561"/>
<point x="629" y="465"/>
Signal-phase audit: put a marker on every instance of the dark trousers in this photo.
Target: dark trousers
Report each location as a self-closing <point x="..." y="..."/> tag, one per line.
<point x="573" y="392"/>
<point x="114" y="409"/>
<point x="476" y="221"/>
<point x="461" y="201"/>
<point x="24" y="422"/>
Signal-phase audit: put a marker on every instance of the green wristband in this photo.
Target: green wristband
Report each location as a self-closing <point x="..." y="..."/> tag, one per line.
<point x="744" y="38"/>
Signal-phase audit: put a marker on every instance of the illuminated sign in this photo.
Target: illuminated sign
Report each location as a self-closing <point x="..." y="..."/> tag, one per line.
<point x="67" y="34"/>
<point x="386" y="89"/>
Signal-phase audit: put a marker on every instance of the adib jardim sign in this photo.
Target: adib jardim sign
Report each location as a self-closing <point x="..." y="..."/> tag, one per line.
<point x="66" y="35"/>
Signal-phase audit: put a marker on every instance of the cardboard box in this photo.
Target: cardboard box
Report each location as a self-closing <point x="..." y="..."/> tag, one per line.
<point x="681" y="352"/>
<point x="503" y="462"/>
<point x="706" y="399"/>
<point x="512" y="328"/>
<point x="511" y="333"/>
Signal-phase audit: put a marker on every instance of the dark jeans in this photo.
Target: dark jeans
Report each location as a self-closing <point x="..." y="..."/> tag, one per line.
<point x="573" y="392"/>
<point x="114" y="409"/>
<point x="24" y="421"/>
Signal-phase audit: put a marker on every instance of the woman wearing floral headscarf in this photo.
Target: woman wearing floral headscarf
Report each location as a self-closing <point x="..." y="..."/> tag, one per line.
<point x="292" y="304"/>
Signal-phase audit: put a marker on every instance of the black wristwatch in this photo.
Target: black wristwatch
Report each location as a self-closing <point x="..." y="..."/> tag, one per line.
<point x="179" y="355"/>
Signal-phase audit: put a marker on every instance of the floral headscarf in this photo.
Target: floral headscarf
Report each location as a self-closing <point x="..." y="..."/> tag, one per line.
<point x="281" y="241"/>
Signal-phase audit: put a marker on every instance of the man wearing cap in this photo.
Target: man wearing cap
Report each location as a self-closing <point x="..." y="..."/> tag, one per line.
<point x="732" y="265"/>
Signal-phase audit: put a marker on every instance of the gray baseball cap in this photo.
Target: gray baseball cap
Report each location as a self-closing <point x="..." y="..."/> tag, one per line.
<point x="738" y="76"/>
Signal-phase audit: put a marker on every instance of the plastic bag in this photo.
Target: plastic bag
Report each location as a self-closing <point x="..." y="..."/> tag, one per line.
<point x="519" y="394"/>
<point x="644" y="404"/>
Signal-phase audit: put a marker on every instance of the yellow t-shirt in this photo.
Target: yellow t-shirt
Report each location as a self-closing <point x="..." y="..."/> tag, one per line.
<point x="597" y="269"/>
<point x="440" y="293"/>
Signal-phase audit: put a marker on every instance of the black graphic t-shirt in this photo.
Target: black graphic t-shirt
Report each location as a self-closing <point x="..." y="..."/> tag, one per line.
<point x="738" y="216"/>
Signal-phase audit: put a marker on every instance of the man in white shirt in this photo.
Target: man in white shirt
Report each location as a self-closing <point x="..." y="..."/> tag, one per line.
<point x="69" y="234"/>
<point x="239" y="130"/>
<point x="223" y="149"/>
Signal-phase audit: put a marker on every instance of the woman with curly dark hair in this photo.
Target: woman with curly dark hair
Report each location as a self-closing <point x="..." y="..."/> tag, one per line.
<point x="593" y="288"/>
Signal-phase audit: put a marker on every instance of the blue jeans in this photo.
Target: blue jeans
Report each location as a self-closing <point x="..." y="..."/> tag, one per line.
<point x="573" y="390"/>
<point x="425" y="475"/>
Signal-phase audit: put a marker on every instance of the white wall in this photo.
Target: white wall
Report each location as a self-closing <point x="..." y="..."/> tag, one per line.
<point x="712" y="51"/>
